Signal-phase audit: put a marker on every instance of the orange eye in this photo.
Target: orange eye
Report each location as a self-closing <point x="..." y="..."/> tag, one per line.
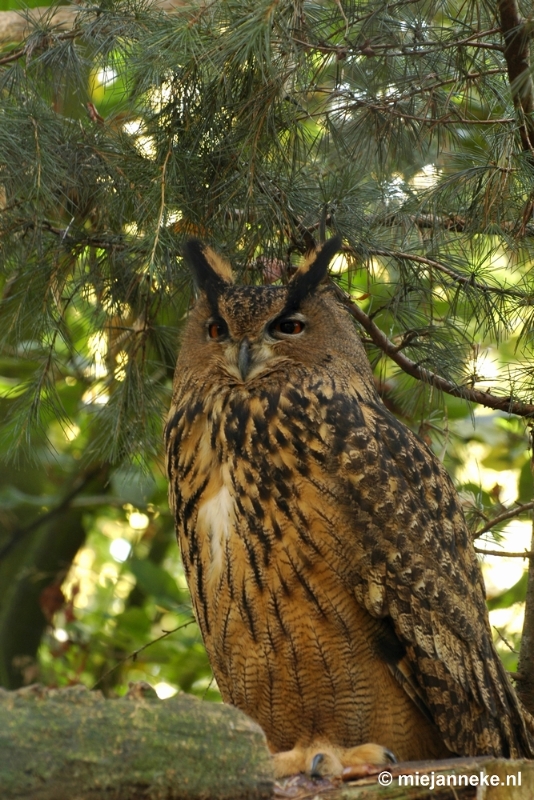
<point x="216" y="330"/>
<point x="289" y="326"/>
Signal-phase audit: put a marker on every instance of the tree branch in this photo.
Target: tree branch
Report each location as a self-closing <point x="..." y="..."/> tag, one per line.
<point x="504" y="554"/>
<point x="525" y="663"/>
<point x="463" y="280"/>
<point x="133" y="655"/>
<point x="508" y="514"/>
<point x="507" y="404"/>
<point x="79" y="485"/>
<point x="370" y="48"/>
<point x="516" y="54"/>
<point x="456" y="224"/>
<point x="14" y="27"/>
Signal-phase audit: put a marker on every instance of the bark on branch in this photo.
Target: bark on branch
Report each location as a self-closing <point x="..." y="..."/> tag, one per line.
<point x="379" y="338"/>
<point x="517" y="56"/>
<point x="62" y="744"/>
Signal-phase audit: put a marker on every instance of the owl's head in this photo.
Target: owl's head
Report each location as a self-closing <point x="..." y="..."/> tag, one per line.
<point x="246" y="333"/>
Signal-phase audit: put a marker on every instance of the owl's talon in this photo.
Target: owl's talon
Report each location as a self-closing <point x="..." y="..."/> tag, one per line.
<point x="322" y="760"/>
<point x="317" y="759"/>
<point x="316" y="763"/>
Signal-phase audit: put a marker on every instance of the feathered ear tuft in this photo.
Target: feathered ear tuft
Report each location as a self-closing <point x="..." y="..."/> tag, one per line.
<point x="311" y="273"/>
<point x="211" y="272"/>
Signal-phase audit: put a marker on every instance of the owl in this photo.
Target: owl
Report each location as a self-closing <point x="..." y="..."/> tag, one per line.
<point x="330" y="567"/>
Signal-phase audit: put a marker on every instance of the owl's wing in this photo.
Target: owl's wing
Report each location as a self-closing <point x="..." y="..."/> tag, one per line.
<point x="413" y="562"/>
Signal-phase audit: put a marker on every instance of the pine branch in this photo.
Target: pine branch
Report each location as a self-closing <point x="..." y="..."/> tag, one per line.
<point x="450" y="222"/>
<point x="14" y="27"/>
<point x="507" y="404"/>
<point x="452" y="117"/>
<point x="427" y="48"/>
<point x="462" y="280"/>
<point x="159" y="220"/>
<point x="370" y="48"/>
<point x="391" y="106"/>
<point x="508" y="514"/>
<point x="31" y="46"/>
<point x="393" y="98"/>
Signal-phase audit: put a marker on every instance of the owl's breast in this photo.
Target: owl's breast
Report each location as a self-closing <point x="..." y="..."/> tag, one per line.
<point x="248" y="479"/>
<point x="263" y="529"/>
<point x="216" y="523"/>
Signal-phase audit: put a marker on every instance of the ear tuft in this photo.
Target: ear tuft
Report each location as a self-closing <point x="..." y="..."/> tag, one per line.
<point x="211" y="272"/>
<point x="219" y="265"/>
<point x="310" y="274"/>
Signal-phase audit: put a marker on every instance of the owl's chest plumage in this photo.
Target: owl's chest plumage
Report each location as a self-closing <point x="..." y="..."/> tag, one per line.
<point x="244" y="487"/>
<point x="262" y="533"/>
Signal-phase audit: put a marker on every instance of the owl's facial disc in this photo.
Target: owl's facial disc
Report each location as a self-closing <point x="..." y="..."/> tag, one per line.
<point x="254" y="356"/>
<point x="242" y="345"/>
<point x="246" y="351"/>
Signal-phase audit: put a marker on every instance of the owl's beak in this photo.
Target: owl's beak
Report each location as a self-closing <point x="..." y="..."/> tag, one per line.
<point x="243" y="359"/>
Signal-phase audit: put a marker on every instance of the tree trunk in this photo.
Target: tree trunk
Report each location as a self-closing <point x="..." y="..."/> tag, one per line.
<point x="34" y="557"/>
<point x="525" y="664"/>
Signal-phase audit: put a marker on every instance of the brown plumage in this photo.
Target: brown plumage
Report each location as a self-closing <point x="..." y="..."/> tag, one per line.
<point x="329" y="563"/>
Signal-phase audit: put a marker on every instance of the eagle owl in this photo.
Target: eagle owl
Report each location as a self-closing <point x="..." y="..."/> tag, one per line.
<point x="330" y="567"/>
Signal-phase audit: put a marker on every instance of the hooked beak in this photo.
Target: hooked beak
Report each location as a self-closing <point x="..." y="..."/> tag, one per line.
<point x="243" y="359"/>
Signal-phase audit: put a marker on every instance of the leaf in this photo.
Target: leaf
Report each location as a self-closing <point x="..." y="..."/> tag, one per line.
<point x="133" y="485"/>
<point x="135" y="622"/>
<point x="157" y="583"/>
<point x="498" y="458"/>
<point x="515" y="594"/>
<point x="525" y="486"/>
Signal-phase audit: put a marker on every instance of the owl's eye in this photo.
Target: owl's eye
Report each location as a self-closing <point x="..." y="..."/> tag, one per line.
<point x="288" y="326"/>
<point x="217" y="329"/>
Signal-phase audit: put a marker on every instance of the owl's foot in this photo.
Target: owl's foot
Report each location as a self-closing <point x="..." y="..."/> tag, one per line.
<point x="320" y="760"/>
